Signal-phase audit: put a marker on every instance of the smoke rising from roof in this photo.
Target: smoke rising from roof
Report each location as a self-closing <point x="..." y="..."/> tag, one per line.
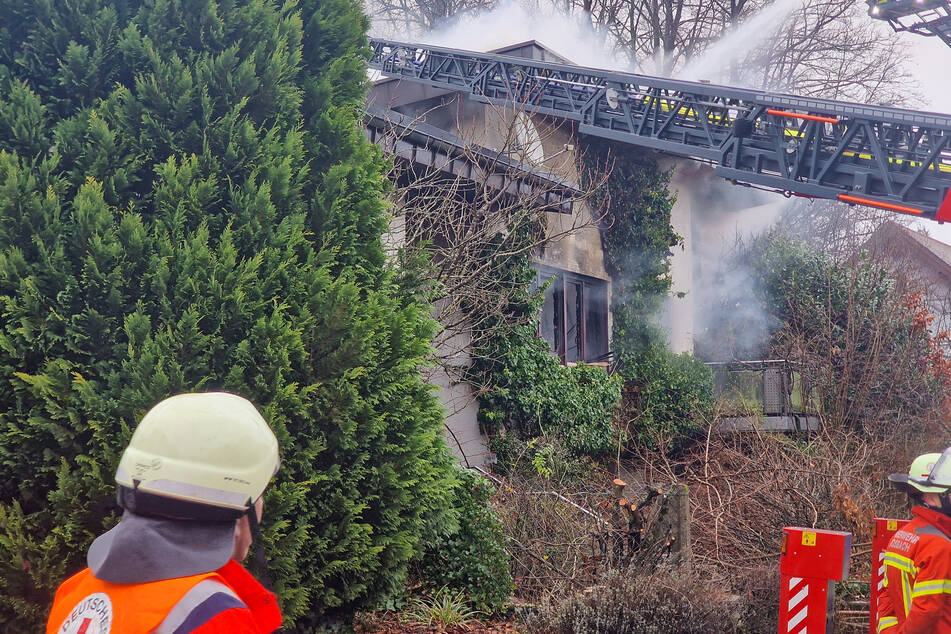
<point x="713" y="281"/>
<point x="511" y="22"/>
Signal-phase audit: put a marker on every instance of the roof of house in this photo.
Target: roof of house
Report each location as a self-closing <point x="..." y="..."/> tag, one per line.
<point x="405" y="133"/>
<point x="940" y="249"/>
<point x="898" y="237"/>
<point x="529" y="49"/>
<point x="532" y="49"/>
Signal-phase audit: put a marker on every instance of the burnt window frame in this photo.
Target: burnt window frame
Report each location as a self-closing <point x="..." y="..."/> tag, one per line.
<point x="558" y="281"/>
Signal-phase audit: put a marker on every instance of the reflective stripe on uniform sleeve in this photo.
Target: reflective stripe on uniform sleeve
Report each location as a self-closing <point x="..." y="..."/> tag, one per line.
<point x="906" y="592"/>
<point x="199" y="604"/>
<point x="886" y="622"/>
<point x="932" y="586"/>
<point x="902" y="563"/>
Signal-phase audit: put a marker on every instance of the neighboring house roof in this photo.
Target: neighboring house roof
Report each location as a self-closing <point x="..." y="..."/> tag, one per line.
<point x="898" y="241"/>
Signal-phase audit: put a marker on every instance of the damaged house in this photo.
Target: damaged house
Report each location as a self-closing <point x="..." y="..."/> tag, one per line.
<point x="465" y="172"/>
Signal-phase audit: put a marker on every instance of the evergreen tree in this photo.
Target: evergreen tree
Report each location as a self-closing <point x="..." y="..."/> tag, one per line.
<point x="187" y="203"/>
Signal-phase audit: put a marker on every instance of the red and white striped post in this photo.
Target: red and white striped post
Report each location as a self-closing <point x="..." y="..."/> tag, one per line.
<point x="812" y="561"/>
<point x="884" y="530"/>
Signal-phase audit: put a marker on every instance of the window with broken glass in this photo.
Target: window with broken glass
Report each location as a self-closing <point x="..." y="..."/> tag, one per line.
<point x="574" y="318"/>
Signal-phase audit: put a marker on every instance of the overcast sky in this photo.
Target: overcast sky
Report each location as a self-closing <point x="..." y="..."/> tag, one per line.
<point x="932" y="61"/>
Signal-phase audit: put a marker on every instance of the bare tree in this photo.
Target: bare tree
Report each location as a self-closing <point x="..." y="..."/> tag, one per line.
<point x="840" y="230"/>
<point x="824" y="47"/>
<point x="830" y="48"/>
<point x="419" y="16"/>
<point x="506" y="187"/>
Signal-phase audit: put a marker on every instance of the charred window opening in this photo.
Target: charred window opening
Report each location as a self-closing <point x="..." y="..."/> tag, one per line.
<point x="574" y="319"/>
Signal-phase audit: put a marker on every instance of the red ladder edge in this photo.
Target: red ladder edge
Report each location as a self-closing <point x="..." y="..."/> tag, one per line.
<point x="944" y="211"/>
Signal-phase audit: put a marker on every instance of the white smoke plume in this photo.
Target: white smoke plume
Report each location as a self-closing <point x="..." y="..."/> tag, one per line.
<point x="716" y="223"/>
<point x="511" y="22"/>
<point x="738" y="42"/>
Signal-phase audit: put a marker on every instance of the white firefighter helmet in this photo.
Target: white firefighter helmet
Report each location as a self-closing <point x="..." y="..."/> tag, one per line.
<point x="203" y="456"/>
<point x="928" y="473"/>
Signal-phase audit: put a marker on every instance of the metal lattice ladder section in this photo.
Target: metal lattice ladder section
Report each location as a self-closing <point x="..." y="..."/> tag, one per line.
<point x="889" y="158"/>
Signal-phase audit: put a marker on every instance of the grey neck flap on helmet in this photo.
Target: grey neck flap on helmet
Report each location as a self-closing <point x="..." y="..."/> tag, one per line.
<point x="145" y="549"/>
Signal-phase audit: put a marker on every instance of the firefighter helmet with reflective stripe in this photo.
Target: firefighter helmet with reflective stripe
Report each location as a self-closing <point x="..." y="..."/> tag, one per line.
<point x="204" y="456"/>
<point x="922" y="473"/>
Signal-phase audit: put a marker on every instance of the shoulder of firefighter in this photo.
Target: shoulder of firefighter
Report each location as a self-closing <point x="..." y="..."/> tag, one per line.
<point x="167" y="567"/>
<point x="917" y="594"/>
<point x="227" y="600"/>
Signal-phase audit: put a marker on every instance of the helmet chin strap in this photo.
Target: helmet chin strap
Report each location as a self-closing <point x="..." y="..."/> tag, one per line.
<point x="944" y="506"/>
<point x="260" y="559"/>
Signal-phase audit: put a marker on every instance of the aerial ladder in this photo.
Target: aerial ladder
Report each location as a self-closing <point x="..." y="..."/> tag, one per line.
<point x="882" y="157"/>
<point x="931" y="18"/>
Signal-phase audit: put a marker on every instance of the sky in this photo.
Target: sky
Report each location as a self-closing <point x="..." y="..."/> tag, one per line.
<point x="931" y="60"/>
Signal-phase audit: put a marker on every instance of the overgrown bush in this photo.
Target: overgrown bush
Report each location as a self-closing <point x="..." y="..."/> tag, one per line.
<point x="187" y="202"/>
<point x="664" y="393"/>
<point x="662" y="602"/>
<point x="744" y="488"/>
<point x="542" y="456"/>
<point x="758" y="586"/>
<point x="667" y="395"/>
<point x="860" y="336"/>
<point x="471" y="559"/>
<point x="532" y="395"/>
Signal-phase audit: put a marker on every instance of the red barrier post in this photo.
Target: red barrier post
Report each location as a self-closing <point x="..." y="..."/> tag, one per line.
<point x="812" y="560"/>
<point x="884" y="529"/>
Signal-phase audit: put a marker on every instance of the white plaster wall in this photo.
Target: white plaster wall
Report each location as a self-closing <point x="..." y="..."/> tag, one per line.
<point x="710" y="214"/>
<point x="678" y="318"/>
<point x="457" y="397"/>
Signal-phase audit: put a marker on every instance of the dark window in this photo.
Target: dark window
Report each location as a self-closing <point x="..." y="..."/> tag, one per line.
<point x="574" y="319"/>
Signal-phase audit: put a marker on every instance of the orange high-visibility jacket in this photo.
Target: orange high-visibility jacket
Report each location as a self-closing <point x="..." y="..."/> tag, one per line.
<point x="917" y="596"/>
<point x="228" y="600"/>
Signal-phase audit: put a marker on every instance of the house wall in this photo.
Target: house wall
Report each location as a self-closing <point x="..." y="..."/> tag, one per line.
<point x="575" y="240"/>
<point x="707" y="214"/>
<point x="679" y="307"/>
<point x="710" y="215"/>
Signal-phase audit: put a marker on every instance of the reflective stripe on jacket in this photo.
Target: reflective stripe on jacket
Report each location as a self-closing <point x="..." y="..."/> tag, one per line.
<point x="227" y="600"/>
<point x="917" y="596"/>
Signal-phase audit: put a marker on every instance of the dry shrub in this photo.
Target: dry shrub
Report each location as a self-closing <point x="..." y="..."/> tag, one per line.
<point x="745" y="487"/>
<point x="563" y="539"/>
<point x="666" y="601"/>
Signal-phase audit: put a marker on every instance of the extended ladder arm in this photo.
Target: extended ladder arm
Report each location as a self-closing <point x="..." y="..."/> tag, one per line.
<point x="882" y="157"/>
<point x="924" y="17"/>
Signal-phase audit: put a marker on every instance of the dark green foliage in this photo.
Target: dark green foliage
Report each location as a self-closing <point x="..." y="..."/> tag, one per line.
<point x="639" y="237"/>
<point x="473" y="558"/>
<point x="664" y="393"/>
<point x="528" y="392"/>
<point x="187" y="203"/>
<point x="534" y="395"/>
<point x="669" y="394"/>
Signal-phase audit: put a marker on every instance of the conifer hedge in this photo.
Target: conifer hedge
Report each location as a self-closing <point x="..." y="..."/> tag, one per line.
<point x="187" y="202"/>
